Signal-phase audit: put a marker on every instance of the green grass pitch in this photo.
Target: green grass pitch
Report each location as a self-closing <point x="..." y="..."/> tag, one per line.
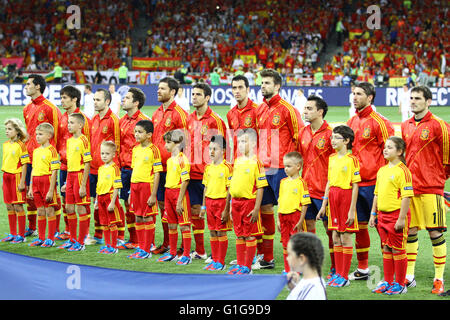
<point x="357" y="290"/>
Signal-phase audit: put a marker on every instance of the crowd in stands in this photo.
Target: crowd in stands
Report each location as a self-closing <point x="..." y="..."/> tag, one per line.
<point x="236" y="36"/>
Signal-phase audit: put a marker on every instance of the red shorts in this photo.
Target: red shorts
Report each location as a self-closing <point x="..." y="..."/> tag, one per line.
<point x="388" y="235"/>
<point x="243" y="227"/>
<point x="108" y="217"/>
<point x="11" y="193"/>
<point x="214" y="209"/>
<point x="287" y="223"/>
<point x="339" y="201"/>
<point x="170" y="206"/>
<point x="41" y="185"/>
<point x="73" y="184"/>
<point x="139" y="194"/>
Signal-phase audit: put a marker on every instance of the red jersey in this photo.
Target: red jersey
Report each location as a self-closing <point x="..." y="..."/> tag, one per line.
<point x="242" y="119"/>
<point x="200" y="132"/>
<point x="371" y="132"/>
<point x="64" y="134"/>
<point x="127" y="139"/>
<point x="315" y="149"/>
<point x="427" y="153"/>
<point x="103" y="129"/>
<point x="278" y="124"/>
<point x="174" y="117"/>
<point x="36" y="112"/>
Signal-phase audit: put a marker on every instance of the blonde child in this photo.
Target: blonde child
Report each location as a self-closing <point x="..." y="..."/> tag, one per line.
<point x="14" y="167"/>
<point x="341" y="194"/>
<point x="146" y="164"/>
<point x="391" y="216"/>
<point x="43" y="184"/>
<point x="246" y="190"/>
<point x="107" y="198"/>
<point x="216" y="201"/>
<point x="305" y="257"/>
<point x="176" y="200"/>
<point x="293" y="201"/>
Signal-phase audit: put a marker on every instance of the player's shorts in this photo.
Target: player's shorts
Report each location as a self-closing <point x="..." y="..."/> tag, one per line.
<point x="41" y="185"/>
<point x="170" y="207"/>
<point x="73" y="184"/>
<point x="195" y="189"/>
<point x="11" y="193"/>
<point x="140" y="192"/>
<point x="243" y="227"/>
<point x="428" y="212"/>
<point x="93" y="178"/>
<point x="364" y="203"/>
<point x="388" y="235"/>
<point x="125" y="176"/>
<point x="106" y="217"/>
<point x="339" y="201"/>
<point x="272" y="191"/>
<point x="161" y="187"/>
<point x="62" y="181"/>
<point x="287" y="223"/>
<point x="214" y="209"/>
<point x="313" y="210"/>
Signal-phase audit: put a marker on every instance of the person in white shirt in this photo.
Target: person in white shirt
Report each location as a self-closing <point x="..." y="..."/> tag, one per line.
<point x="89" y="109"/>
<point x="300" y="101"/>
<point x="182" y="101"/>
<point x="305" y="256"/>
<point x="404" y="105"/>
<point x="352" y="110"/>
<point x="116" y="100"/>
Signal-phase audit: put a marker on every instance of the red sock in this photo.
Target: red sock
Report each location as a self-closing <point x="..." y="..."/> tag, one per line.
<point x="51" y="227"/>
<point x="347" y="253"/>
<point x="250" y="250"/>
<point x="73" y="222"/>
<point x="32" y="217"/>
<point x="114" y="235"/>
<point x="149" y="235"/>
<point x="98" y="231"/>
<point x="42" y="226"/>
<point x="12" y="222"/>
<point x="338" y="258"/>
<point x="259" y="245"/>
<point x="331" y="248"/>
<point x="58" y="220"/>
<point x="400" y="266"/>
<point x="362" y="245"/>
<point x="388" y="267"/>
<point x="198" y="228"/>
<point x="268" y="223"/>
<point x="186" y="236"/>
<point x="107" y="235"/>
<point x="286" y="264"/>
<point x="121" y="224"/>
<point x="214" y="248"/>
<point x="140" y="232"/>
<point x="173" y="241"/>
<point x="131" y="224"/>
<point x="165" y="227"/>
<point x="84" y="227"/>
<point x="240" y="251"/>
<point x="223" y="247"/>
<point x="21" y="221"/>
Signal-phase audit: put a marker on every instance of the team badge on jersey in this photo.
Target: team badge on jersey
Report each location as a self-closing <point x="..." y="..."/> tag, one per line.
<point x="366" y="133"/>
<point x="41" y="116"/>
<point x="204" y="129"/>
<point x="425" y="134"/>
<point x="321" y="143"/>
<point x="168" y="122"/>
<point x="105" y="129"/>
<point x="248" y="121"/>
<point x="276" y="120"/>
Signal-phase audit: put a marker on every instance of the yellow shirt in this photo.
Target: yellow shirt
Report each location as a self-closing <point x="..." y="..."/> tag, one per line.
<point x="78" y="153"/>
<point x="343" y="171"/>
<point x="178" y="169"/>
<point x="108" y="178"/>
<point x="15" y="155"/>
<point x="393" y="184"/>
<point x="293" y="195"/>
<point x="145" y="162"/>
<point x="45" y="160"/>
<point x="248" y="176"/>
<point x="217" y="179"/>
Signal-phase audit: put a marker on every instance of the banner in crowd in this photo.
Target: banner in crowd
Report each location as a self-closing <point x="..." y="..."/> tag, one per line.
<point x="14" y="94"/>
<point x="29" y="278"/>
<point x="14" y="60"/>
<point x="156" y="63"/>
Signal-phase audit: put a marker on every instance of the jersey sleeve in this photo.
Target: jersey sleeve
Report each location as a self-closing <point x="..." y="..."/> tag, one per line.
<point x="132" y="157"/>
<point x="184" y="169"/>
<point x="24" y="156"/>
<point x="205" y="176"/>
<point x="355" y="171"/>
<point x="443" y="134"/>
<point x="86" y="152"/>
<point x="117" y="181"/>
<point x="406" y="187"/>
<point x="157" y="162"/>
<point x="305" y="198"/>
<point x="55" y="164"/>
<point x="261" y="180"/>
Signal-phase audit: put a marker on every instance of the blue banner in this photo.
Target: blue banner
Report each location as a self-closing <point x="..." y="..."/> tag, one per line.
<point x="14" y="94"/>
<point x="23" y="277"/>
